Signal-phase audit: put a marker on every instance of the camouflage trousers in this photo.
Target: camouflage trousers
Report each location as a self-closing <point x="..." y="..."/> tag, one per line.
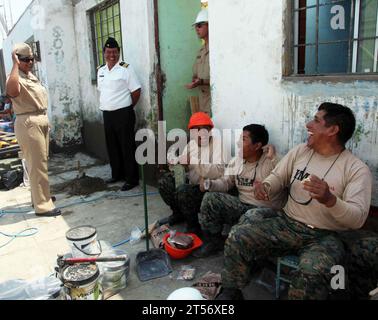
<point x="185" y="200"/>
<point x="219" y="210"/>
<point x="361" y="262"/>
<point x="318" y="251"/>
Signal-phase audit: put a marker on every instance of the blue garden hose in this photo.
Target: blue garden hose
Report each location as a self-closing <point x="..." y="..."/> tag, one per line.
<point x="80" y="201"/>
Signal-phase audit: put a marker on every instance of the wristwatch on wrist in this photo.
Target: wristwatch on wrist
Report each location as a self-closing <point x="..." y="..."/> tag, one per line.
<point x="201" y="82"/>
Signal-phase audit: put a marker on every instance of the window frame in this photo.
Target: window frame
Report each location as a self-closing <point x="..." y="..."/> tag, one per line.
<point x="291" y="34"/>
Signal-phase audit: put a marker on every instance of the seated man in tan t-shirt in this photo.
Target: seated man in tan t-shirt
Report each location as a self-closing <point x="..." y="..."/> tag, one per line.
<point x="219" y="210"/>
<point x="329" y="192"/>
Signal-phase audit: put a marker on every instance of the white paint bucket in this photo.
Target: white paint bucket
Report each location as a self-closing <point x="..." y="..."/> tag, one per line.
<point x="82" y="241"/>
<point x="115" y="274"/>
<point x="81" y="282"/>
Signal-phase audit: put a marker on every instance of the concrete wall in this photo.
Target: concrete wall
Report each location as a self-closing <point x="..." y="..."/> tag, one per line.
<point x="138" y="50"/>
<point x="247" y="86"/>
<point x="51" y="23"/>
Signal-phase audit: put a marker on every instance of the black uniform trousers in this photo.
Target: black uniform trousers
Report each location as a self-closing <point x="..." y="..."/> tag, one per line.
<point x="120" y="142"/>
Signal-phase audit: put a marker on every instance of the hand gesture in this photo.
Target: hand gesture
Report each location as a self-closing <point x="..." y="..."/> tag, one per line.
<point x="270" y="151"/>
<point x="319" y="190"/>
<point x="194" y="84"/>
<point x="260" y="192"/>
<point x="15" y="59"/>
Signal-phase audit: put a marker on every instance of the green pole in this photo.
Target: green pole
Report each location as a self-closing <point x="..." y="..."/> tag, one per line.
<point x="145" y="208"/>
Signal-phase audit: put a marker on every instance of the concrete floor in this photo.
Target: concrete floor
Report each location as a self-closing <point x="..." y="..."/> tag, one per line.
<point x="114" y="217"/>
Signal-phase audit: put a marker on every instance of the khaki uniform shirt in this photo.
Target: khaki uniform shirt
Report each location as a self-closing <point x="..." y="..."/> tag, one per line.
<point x="349" y="179"/>
<point x="201" y="69"/>
<point x="33" y="96"/>
<point x="244" y="175"/>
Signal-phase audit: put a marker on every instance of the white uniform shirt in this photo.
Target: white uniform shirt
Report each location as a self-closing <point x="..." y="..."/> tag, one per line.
<point x="115" y="86"/>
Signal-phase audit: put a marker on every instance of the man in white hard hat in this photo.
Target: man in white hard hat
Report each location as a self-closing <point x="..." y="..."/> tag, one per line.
<point x="201" y="67"/>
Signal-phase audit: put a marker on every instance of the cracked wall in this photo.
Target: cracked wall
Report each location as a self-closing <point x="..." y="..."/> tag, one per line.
<point x="247" y="85"/>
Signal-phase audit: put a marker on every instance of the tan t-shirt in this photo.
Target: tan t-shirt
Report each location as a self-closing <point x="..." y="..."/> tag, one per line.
<point x="349" y="179"/>
<point x="207" y="162"/>
<point x="201" y="69"/>
<point x="32" y="97"/>
<point x="244" y="175"/>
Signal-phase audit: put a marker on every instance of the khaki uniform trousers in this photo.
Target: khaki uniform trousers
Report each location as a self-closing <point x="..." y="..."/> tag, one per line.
<point x="201" y="69"/>
<point x="32" y="133"/>
<point x="205" y="99"/>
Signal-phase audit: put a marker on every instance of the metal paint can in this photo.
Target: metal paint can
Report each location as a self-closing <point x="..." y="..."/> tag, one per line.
<point x="81" y="282"/>
<point x="115" y="274"/>
<point x="82" y="241"/>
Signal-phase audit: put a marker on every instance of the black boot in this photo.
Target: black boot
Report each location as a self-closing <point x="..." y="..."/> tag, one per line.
<point x="212" y="244"/>
<point x="230" y="294"/>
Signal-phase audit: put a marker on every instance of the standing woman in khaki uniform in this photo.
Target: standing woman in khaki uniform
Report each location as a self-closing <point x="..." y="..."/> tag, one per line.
<point x="201" y="67"/>
<point x="29" y="100"/>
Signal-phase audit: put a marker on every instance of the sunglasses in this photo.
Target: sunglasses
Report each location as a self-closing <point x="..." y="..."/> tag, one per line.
<point x="26" y="59"/>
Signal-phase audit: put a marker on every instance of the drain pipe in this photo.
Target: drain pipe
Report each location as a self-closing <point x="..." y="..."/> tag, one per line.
<point x="159" y="77"/>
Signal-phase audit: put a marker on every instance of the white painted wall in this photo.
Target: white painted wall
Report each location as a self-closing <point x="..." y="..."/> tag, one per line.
<point x="246" y="50"/>
<point x="59" y="45"/>
<point x="51" y="23"/>
<point x="138" y="51"/>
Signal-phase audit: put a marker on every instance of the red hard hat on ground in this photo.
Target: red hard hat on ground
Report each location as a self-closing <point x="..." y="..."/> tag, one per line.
<point x="200" y="119"/>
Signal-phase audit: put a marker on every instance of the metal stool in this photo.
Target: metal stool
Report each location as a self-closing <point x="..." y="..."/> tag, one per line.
<point x="288" y="261"/>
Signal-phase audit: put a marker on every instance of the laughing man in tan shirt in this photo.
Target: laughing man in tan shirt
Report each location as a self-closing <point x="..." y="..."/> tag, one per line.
<point x="330" y="191"/>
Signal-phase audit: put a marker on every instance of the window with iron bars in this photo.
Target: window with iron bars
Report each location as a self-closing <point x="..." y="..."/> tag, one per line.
<point x="335" y="37"/>
<point x="106" y="22"/>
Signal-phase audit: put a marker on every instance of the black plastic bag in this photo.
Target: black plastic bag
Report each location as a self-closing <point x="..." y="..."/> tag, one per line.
<point x="12" y="179"/>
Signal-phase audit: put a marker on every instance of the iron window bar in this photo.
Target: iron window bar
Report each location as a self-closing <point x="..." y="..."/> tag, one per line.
<point x="354" y="40"/>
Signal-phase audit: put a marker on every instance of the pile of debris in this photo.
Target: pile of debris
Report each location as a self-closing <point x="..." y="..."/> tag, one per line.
<point x="8" y="145"/>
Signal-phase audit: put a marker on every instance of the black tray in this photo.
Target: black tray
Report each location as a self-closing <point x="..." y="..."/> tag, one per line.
<point x="153" y="264"/>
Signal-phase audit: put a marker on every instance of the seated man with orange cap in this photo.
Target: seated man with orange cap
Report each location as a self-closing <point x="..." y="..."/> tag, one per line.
<point x="203" y="159"/>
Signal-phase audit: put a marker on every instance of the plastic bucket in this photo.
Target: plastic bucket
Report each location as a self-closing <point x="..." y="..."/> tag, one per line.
<point x="81" y="282"/>
<point x="115" y="274"/>
<point x="82" y="241"/>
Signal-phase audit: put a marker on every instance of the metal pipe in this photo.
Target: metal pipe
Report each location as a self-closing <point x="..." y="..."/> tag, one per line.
<point x="159" y="78"/>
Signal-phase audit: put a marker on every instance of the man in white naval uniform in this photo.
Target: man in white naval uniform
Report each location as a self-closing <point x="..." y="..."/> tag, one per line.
<point x="119" y="93"/>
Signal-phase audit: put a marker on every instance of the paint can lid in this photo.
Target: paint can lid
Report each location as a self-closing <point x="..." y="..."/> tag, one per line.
<point x="81" y="233"/>
<point x="80" y="274"/>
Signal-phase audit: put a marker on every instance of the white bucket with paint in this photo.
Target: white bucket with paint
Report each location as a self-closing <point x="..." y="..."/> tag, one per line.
<point x="82" y="282"/>
<point x="115" y="274"/>
<point x="82" y="241"/>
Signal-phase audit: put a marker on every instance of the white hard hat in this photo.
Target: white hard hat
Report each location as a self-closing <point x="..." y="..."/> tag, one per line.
<point x="202" y="16"/>
<point x="186" y="293"/>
